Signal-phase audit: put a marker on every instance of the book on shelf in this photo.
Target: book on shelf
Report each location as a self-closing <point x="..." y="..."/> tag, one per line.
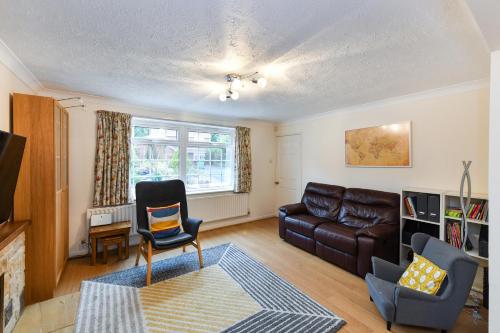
<point x="453" y="234"/>
<point x="477" y="211"/>
<point x="410" y="204"/>
<point x="454" y="238"/>
<point x="453" y="212"/>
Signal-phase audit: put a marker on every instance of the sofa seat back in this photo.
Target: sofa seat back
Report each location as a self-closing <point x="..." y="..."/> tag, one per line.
<point x="323" y="200"/>
<point x="362" y="208"/>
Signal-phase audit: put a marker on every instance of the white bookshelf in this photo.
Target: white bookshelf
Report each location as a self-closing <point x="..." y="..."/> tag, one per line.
<point x="448" y="199"/>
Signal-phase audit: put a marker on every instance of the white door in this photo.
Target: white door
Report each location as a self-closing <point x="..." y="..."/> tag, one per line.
<point x="288" y="170"/>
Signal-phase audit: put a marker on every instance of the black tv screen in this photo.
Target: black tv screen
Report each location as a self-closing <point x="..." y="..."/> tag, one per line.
<point x="11" y="155"/>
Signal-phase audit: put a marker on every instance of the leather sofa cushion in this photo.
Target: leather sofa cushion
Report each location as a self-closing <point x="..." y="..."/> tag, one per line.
<point x="363" y="208"/>
<point x="337" y="236"/>
<point x="323" y="200"/>
<point x="339" y="258"/>
<point x="303" y="242"/>
<point x="303" y="224"/>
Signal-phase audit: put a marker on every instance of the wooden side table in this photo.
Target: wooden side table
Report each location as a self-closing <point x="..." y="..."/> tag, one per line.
<point x="114" y="229"/>
<point x="112" y="240"/>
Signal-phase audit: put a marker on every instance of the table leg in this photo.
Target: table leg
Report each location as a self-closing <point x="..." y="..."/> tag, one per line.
<point x="94" y="249"/>
<point x="120" y="252"/>
<point x="127" y="245"/>
<point x="105" y="250"/>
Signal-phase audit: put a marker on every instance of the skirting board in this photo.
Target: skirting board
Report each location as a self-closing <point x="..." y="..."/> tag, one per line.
<point x="134" y="240"/>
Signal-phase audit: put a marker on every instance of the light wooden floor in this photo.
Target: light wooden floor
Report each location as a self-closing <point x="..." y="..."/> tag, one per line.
<point x="341" y="292"/>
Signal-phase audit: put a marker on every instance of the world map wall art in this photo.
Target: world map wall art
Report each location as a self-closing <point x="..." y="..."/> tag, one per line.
<point x="379" y="146"/>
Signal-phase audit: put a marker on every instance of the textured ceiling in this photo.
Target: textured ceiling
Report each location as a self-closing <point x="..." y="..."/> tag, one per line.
<point x="318" y="55"/>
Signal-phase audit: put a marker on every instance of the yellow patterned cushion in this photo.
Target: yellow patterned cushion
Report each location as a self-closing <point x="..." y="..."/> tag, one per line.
<point x="423" y="275"/>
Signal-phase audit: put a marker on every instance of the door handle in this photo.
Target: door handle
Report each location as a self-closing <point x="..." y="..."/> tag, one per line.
<point x="276" y="183"/>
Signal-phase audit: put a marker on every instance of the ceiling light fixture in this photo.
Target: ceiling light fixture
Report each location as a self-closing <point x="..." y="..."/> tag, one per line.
<point x="237" y="81"/>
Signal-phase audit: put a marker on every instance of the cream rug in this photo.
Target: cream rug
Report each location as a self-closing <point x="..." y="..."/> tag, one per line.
<point x="234" y="293"/>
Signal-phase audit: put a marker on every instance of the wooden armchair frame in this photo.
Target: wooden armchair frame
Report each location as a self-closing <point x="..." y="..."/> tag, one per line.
<point x="146" y="249"/>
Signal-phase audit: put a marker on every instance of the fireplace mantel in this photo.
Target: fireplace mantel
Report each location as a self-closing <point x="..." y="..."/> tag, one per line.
<point x="10" y="230"/>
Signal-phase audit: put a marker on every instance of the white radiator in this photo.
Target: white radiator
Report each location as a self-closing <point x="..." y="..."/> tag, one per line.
<point x="118" y="214"/>
<point x="218" y="207"/>
<point x="208" y="208"/>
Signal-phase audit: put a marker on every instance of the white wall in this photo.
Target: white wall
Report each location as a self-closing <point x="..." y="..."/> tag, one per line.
<point x="494" y="195"/>
<point x="82" y="149"/>
<point x="9" y="83"/>
<point x="449" y="125"/>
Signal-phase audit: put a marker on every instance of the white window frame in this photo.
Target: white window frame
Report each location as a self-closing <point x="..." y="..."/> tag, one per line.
<point x="183" y="129"/>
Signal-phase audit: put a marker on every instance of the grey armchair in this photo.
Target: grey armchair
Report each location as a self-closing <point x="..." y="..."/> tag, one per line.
<point x="405" y="306"/>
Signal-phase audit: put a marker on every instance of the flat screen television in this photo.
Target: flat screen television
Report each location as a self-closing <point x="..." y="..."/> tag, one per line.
<point x="11" y="155"/>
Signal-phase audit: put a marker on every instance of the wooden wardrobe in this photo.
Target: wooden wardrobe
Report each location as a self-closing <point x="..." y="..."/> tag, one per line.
<point x="42" y="191"/>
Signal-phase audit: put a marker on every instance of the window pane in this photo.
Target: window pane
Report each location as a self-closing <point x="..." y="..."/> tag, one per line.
<point x="154" y="133"/>
<point x="197" y="154"/>
<point x="165" y="152"/>
<point x="153" y="162"/>
<point x="194" y="136"/>
<point x="216" y="167"/>
<point x="203" y="137"/>
<point x="220" y="138"/>
<point x="141" y="168"/>
<point x="215" y="154"/>
<point x="140" y="151"/>
<point x="211" y="137"/>
<point x="140" y="132"/>
<point x="171" y="134"/>
<point x="215" y="179"/>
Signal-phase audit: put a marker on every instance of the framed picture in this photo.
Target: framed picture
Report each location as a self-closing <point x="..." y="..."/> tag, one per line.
<point x="379" y="146"/>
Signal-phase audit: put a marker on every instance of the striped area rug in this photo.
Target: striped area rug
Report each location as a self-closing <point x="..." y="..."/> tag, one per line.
<point x="235" y="293"/>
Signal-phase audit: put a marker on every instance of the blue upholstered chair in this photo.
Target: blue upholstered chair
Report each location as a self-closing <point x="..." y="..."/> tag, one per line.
<point x="402" y="305"/>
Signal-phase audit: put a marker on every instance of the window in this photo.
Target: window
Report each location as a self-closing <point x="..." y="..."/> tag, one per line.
<point x="202" y="156"/>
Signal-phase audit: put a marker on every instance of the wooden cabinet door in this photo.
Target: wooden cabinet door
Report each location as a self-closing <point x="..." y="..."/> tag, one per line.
<point x="33" y="117"/>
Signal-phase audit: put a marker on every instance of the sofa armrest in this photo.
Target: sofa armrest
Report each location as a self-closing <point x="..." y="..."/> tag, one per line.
<point x="386" y="270"/>
<point x="380" y="231"/>
<point x="292" y="209"/>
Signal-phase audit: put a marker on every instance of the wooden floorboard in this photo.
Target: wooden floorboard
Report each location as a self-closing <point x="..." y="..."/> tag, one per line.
<point x="343" y="293"/>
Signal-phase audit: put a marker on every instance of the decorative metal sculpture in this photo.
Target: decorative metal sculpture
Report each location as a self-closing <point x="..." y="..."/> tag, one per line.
<point x="465" y="202"/>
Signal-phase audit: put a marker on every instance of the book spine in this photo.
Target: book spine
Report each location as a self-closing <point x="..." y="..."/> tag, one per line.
<point x="412" y="206"/>
<point x="407" y="205"/>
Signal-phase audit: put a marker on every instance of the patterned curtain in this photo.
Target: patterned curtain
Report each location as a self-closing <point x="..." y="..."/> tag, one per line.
<point x="243" y="161"/>
<point x="112" y="159"/>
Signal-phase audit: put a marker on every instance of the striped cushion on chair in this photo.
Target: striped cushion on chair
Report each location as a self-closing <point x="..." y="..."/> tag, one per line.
<point x="164" y="221"/>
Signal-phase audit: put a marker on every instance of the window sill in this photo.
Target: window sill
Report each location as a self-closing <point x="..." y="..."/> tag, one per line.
<point x="201" y="194"/>
<point x="209" y="192"/>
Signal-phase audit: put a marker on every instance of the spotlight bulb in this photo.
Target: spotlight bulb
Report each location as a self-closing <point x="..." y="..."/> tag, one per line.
<point x="262" y="82"/>
<point x="222" y="97"/>
<point x="236" y="84"/>
<point x="235" y="95"/>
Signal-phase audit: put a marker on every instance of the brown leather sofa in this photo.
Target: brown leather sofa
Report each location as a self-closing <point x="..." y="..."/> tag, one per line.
<point x="344" y="226"/>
